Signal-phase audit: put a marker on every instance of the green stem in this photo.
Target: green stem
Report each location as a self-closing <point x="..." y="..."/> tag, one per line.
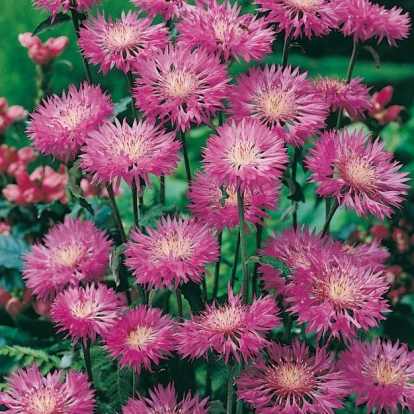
<point x="331" y="213"/>
<point x="235" y="260"/>
<point x="288" y="328"/>
<point x="186" y="160"/>
<point x="130" y="79"/>
<point x="134" y="192"/>
<point x="87" y="356"/>
<point x="217" y="268"/>
<point x="259" y="236"/>
<point x="243" y="245"/>
<point x="351" y="65"/>
<point x="75" y="20"/>
<point x="116" y="212"/>
<point x="162" y="190"/>
<point x="296" y="157"/>
<point x="230" y="388"/>
<point x="179" y="303"/>
<point x="286" y="49"/>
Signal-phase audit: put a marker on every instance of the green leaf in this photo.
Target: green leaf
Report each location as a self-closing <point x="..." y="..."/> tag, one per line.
<point x="74" y="188"/>
<point x="47" y="24"/>
<point x="14" y="335"/>
<point x="276" y="264"/>
<point x="374" y="54"/>
<point x="122" y="105"/>
<point x="11" y="250"/>
<point x="154" y="211"/>
<point x="192" y="292"/>
<point x="216" y="407"/>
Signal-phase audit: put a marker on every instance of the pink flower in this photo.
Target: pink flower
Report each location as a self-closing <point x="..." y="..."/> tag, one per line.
<point x="59" y="126"/>
<point x="181" y="85"/>
<point x="131" y="153"/>
<point x="352" y="97"/>
<point x="30" y="393"/>
<point x="220" y="29"/>
<point x="282" y="99"/>
<point x="336" y="295"/>
<point x="55" y="6"/>
<point x="43" y="53"/>
<point x="371" y="254"/>
<point x="9" y="114"/>
<point x="74" y="251"/>
<point x="217" y="207"/>
<point x="141" y="337"/>
<point x="298" y="17"/>
<point x="164" y="400"/>
<point x="176" y="251"/>
<point x="359" y="173"/>
<point x="233" y="329"/>
<point x="292" y="247"/>
<point x="20" y="160"/>
<point x="43" y="185"/>
<point x="378" y="102"/>
<point x="168" y="9"/>
<point x="86" y="312"/>
<point x="381" y="374"/>
<point x="292" y="381"/>
<point x="364" y="20"/>
<point x="244" y="155"/>
<point x="120" y="43"/>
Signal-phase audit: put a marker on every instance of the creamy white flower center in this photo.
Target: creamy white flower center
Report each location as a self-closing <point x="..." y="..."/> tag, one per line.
<point x="44" y="401"/>
<point x="175" y="246"/>
<point x="242" y="154"/>
<point x="139" y="337"/>
<point x="179" y="84"/>
<point x="68" y="255"/>
<point x="84" y="309"/>
<point x="274" y="106"/>
<point x="304" y="5"/>
<point x="387" y="373"/>
<point x="122" y="36"/>
<point x="358" y="173"/>
<point x="135" y="147"/>
<point x="226" y="320"/>
<point x="72" y="116"/>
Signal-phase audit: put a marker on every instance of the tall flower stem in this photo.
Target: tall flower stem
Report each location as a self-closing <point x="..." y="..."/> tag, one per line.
<point x="243" y="245"/>
<point x="296" y="157"/>
<point x="286" y="49"/>
<point x="186" y="160"/>
<point x="179" y="303"/>
<point x="134" y="192"/>
<point x="329" y="217"/>
<point x="230" y="387"/>
<point x="162" y="190"/>
<point x="259" y="236"/>
<point x="217" y="267"/>
<point x="130" y="79"/>
<point x="116" y="212"/>
<point x="235" y="260"/>
<point x="76" y="20"/>
<point x="87" y="357"/>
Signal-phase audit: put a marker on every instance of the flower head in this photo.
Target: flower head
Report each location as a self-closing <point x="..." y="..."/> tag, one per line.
<point x="337" y="295"/>
<point x="141" y="337"/>
<point x="30" y="393"/>
<point x="54" y="6"/>
<point x="176" y="251"/>
<point x="164" y="400"/>
<point x="131" y="152"/>
<point x="353" y="97"/>
<point x="60" y="126"/>
<point x="168" y="9"/>
<point x="281" y="99"/>
<point x="220" y="29"/>
<point x="371" y="254"/>
<point x="378" y="110"/>
<point x="234" y="329"/>
<point x="216" y="205"/>
<point x="74" y="251"/>
<point x="120" y="43"/>
<point x="181" y="85"/>
<point x="244" y="155"/>
<point x="364" y="20"/>
<point x="359" y="173"/>
<point x="381" y="374"/>
<point x="292" y="381"/>
<point x="86" y="312"/>
<point x="302" y="17"/>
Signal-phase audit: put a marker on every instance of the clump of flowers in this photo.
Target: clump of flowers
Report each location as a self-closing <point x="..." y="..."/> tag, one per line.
<point x="13" y="160"/>
<point x="55" y="6"/>
<point x="43" y="53"/>
<point x="168" y="9"/>
<point x="9" y="114"/>
<point x="73" y="252"/>
<point x="30" y="392"/>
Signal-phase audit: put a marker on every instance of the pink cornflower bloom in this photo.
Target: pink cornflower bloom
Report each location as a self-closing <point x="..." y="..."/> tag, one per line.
<point x="336" y="295"/>
<point x="181" y="85"/>
<point x="372" y="254"/>
<point x="122" y="42"/>
<point x="234" y="329"/>
<point x="59" y="126"/>
<point x="302" y="17"/>
<point x="168" y="9"/>
<point x="292" y="381"/>
<point x="220" y="29"/>
<point x="130" y="152"/>
<point x="74" y="251"/>
<point x="31" y="393"/>
<point x="216" y="205"/>
<point x="364" y="20"/>
<point x="176" y="251"/>
<point x="357" y="172"/>
<point x="353" y="97"/>
<point x="291" y="247"/>
<point x="246" y="155"/>
<point x="86" y="312"/>
<point x="55" y="6"/>
<point x="164" y="400"/>
<point x="380" y="374"/>
<point x="141" y="337"/>
<point x="282" y="99"/>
